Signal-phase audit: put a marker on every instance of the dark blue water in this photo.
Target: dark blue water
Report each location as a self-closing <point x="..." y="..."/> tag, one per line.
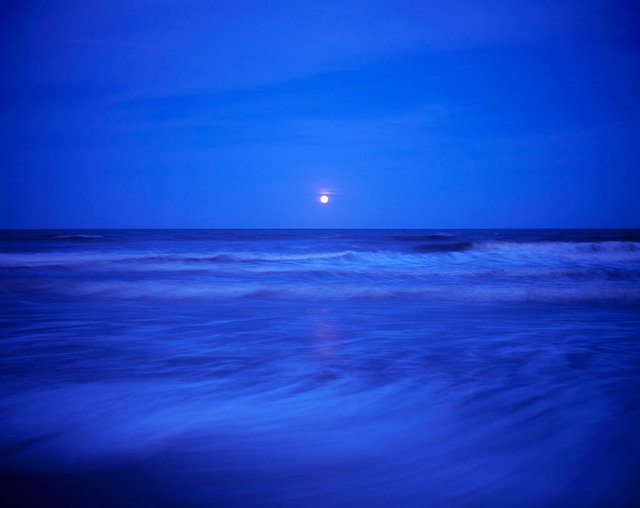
<point x="320" y="368"/>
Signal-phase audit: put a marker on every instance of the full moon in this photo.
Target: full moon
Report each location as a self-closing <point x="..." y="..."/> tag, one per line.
<point x="324" y="199"/>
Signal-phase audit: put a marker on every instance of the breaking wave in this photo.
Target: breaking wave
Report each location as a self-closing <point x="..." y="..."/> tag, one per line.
<point x="485" y="266"/>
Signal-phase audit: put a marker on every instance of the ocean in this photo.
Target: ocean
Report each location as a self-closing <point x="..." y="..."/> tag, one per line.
<point x="313" y="368"/>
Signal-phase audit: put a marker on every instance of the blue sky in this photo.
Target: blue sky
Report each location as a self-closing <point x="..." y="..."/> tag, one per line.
<point x="238" y="114"/>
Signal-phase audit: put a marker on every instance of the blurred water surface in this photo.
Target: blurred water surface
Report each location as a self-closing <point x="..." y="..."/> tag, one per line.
<point x="320" y="368"/>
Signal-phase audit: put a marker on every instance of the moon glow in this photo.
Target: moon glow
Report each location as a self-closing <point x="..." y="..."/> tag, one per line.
<point x="324" y="199"/>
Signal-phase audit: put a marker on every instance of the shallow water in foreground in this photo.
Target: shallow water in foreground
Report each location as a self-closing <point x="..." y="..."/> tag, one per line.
<point x="320" y="368"/>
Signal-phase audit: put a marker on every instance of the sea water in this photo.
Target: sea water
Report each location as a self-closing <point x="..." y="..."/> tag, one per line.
<point x="320" y="368"/>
